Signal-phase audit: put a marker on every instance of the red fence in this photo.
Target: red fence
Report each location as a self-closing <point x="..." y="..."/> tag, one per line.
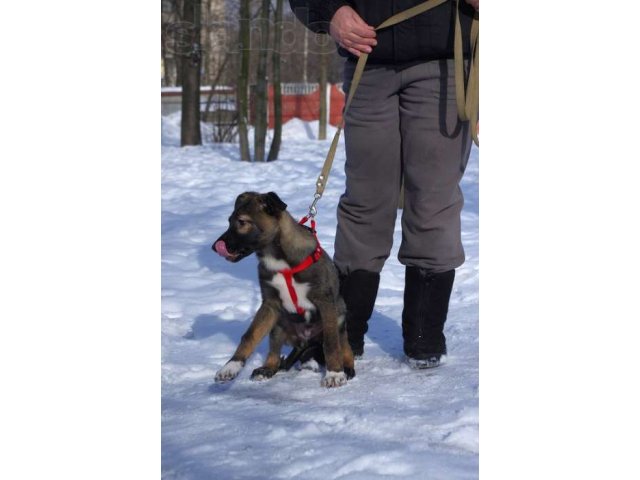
<point x="303" y="102"/>
<point x="299" y="100"/>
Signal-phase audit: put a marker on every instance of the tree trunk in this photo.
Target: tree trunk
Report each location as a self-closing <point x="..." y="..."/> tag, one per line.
<point x="305" y="53"/>
<point x="171" y="15"/>
<point x="190" y="124"/>
<point x="277" y="84"/>
<point x="322" y="125"/>
<point x="242" y="99"/>
<point x="262" y="93"/>
<point x="214" y="38"/>
<point x="207" y="66"/>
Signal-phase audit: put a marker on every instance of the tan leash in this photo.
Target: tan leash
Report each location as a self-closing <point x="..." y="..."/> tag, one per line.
<point x="467" y="99"/>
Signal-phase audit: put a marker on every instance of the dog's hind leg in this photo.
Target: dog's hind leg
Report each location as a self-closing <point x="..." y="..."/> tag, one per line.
<point x="347" y="353"/>
<point x="292" y="358"/>
<point x="302" y="354"/>
<point x="265" y="319"/>
<point x="272" y="363"/>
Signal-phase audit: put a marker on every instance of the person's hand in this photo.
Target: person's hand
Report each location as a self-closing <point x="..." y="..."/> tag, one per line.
<point x="473" y="3"/>
<point x="351" y="32"/>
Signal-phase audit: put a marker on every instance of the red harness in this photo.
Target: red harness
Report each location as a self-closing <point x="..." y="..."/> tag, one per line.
<point x="288" y="273"/>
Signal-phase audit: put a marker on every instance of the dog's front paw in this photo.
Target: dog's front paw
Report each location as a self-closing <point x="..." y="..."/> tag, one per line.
<point x="262" y="373"/>
<point x="350" y="372"/>
<point x="334" y="379"/>
<point x="229" y="371"/>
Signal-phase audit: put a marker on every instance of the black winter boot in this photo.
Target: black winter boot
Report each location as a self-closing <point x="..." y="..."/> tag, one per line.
<point x="426" y="303"/>
<point x="359" y="289"/>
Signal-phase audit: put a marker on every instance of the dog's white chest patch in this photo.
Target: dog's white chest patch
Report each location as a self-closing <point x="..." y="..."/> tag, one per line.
<point x="302" y="289"/>
<point x="280" y="284"/>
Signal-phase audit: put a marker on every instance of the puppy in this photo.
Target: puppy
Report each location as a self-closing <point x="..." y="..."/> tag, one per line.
<point x="301" y="305"/>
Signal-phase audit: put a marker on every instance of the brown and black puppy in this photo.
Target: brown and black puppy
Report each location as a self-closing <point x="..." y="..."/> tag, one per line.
<point x="261" y="224"/>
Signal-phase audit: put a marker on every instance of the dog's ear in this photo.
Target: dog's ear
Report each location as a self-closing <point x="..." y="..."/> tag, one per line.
<point x="273" y="205"/>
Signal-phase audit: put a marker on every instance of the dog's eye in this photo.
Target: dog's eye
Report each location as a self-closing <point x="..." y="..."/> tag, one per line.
<point x="242" y="223"/>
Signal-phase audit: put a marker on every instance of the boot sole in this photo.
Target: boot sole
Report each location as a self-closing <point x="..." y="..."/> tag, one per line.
<point x="423" y="364"/>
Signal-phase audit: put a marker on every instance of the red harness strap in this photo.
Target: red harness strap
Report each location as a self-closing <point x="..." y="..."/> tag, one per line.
<point x="306" y="263"/>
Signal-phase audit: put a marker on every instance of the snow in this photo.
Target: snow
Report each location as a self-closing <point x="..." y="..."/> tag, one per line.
<point x="388" y="422"/>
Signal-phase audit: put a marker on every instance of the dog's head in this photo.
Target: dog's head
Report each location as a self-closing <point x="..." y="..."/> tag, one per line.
<point x="252" y="225"/>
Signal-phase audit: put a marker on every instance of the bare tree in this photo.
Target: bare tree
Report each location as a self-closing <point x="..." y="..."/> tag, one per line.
<point x="242" y="93"/>
<point x="261" y="91"/>
<point x="224" y="121"/>
<point x="191" y="61"/>
<point x="171" y="37"/>
<point x="322" y="124"/>
<point x="305" y="55"/>
<point x="214" y="36"/>
<point x="277" y="83"/>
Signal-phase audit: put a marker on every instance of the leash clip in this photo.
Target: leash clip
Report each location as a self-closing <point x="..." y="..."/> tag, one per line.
<point x="313" y="211"/>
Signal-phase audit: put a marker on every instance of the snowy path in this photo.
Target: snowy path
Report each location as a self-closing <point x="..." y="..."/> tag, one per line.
<point x="388" y="422"/>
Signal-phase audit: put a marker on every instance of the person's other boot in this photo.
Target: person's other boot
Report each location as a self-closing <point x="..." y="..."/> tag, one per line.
<point x="426" y="303"/>
<point x="359" y="290"/>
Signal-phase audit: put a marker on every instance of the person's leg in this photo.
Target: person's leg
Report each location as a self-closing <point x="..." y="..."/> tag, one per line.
<point x="435" y="146"/>
<point x="359" y="289"/>
<point x="368" y="208"/>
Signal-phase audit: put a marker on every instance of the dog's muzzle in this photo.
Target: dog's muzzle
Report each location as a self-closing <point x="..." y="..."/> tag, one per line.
<point x="220" y="247"/>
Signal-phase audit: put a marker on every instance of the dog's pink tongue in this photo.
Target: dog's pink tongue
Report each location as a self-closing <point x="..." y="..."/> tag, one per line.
<point x="221" y="248"/>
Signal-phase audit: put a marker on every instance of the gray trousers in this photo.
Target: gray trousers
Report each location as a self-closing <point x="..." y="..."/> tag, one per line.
<point x="403" y="122"/>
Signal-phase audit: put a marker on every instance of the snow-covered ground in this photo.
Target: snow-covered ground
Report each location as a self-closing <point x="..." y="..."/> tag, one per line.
<point x="388" y="422"/>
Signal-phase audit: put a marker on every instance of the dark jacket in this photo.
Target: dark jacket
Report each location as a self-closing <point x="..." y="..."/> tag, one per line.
<point x="428" y="36"/>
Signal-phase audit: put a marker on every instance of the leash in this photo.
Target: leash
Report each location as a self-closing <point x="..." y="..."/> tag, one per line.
<point x="466" y="98"/>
